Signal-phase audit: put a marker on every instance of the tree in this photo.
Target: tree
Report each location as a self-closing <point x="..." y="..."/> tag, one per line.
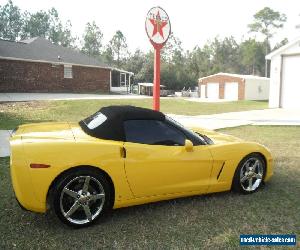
<point x="108" y="55"/>
<point x="265" y="22"/>
<point x="118" y="46"/>
<point x="252" y="57"/>
<point x="146" y="72"/>
<point x="92" y="40"/>
<point x="65" y="36"/>
<point x="55" y="27"/>
<point x="224" y="55"/>
<point x="135" y="63"/>
<point x="10" y="21"/>
<point x="48" y="25"/>
<point x="280" y="44"/>
<point x="37" y="24"/>
<point x="199" y="62"/>
<point x="58" y="33"/>
<point x="173" y="64"/>
<point x="172" y="49"/>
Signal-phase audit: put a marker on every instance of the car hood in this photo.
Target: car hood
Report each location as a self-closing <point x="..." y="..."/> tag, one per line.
<point x="44" y="130"/>
<point x="216" y="137"/>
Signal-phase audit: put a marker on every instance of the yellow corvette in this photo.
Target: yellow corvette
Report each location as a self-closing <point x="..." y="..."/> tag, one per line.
<point x="123" y="156"/>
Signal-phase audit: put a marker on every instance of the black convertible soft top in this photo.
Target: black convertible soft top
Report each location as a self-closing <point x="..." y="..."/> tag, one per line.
<point x="107" y="123"/>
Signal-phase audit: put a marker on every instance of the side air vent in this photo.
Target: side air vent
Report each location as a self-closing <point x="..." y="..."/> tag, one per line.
<point x="220" y="170"/>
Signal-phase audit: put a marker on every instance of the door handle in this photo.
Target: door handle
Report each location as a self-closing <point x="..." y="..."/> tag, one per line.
<point x="123" y="152"/>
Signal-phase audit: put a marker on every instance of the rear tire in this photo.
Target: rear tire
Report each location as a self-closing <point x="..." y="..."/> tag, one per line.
<point x="249" y="175"/>
<point x="81" y="197"/>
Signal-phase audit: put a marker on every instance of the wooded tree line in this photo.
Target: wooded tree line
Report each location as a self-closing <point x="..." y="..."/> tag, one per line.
<point x="179" y="68"/>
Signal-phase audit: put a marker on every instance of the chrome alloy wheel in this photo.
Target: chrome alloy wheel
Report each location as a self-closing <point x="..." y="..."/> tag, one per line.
<point x="82" y="199"/>
<point x="251" y="174"/>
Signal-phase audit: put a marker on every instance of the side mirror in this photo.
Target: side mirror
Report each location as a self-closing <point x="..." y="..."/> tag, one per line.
<point x="188" y="145"/>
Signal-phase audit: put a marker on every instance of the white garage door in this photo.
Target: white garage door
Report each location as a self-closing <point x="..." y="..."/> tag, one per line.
<point x="290" y="97"/>
<point x="213" y="90"/>
<point x="231" y="91"/>
<point x="203" y="89"/>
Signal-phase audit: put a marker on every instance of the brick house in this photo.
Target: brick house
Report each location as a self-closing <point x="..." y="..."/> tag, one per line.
<point x="37" y="65"/>
<point x="234" y="87"/>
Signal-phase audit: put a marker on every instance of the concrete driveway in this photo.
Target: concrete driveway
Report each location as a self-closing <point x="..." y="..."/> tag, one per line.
<point x="20" y="97"/>
<point x="23" y="97"/>
<point x="234" y="119"/>
<point x="217" y="121"/>
<point x="4" y="143"/>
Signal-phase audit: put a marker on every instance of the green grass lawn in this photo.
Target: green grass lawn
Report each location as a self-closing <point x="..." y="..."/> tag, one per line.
<point x="14" y="114"/>
<point x="212" y="221"/>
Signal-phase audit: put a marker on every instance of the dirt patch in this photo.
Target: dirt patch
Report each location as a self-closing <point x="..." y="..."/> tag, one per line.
<point x="16" y="106"/>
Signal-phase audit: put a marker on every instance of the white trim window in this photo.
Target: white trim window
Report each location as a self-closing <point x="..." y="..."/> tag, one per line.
<point x="68" y="73"/>
<point x="123" y="82"/>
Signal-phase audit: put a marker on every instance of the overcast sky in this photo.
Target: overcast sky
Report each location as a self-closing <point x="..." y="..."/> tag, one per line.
<point x="194" y="22"/>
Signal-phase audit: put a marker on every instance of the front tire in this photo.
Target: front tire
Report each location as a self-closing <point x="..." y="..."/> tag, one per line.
<point x="81" y="196"/>
<point x="249" y="174"/>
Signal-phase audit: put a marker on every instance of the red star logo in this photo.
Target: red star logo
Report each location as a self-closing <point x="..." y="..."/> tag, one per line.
<point x="158" y="25"/>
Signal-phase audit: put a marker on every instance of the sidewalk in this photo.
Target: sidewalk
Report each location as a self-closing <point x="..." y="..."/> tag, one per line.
<point x="4" y="143"/>
<point x="234" y="119"/>
<point x="20" y="97"/>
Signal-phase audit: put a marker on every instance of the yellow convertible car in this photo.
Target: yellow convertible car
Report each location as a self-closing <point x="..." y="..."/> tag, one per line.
<point x="123" y="156"/>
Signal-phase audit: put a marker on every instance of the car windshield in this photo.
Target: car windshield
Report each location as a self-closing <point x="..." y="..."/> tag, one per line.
<point x="201" y="137"/>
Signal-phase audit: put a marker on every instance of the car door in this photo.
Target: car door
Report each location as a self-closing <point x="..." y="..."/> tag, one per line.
<point x="158" y="163"/>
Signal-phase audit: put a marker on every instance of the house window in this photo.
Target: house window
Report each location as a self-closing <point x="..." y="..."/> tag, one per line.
<point x="68" y="71"/>
<point x="123" y="79"/>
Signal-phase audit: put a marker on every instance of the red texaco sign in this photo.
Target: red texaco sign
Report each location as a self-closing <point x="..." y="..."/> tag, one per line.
<point x="158" y="26"/>
<point x="158" y="29"/>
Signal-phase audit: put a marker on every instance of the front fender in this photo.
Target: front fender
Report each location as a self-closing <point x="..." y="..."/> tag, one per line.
<point x="226" y="158"/>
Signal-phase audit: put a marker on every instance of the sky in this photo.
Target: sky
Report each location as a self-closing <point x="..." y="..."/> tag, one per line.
<point x="194" y="22"/>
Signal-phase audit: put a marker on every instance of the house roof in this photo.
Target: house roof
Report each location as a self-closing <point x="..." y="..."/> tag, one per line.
<point x="282" y="48"/>
<point x="236" y="75"/>
<point x="42" y="50"/>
